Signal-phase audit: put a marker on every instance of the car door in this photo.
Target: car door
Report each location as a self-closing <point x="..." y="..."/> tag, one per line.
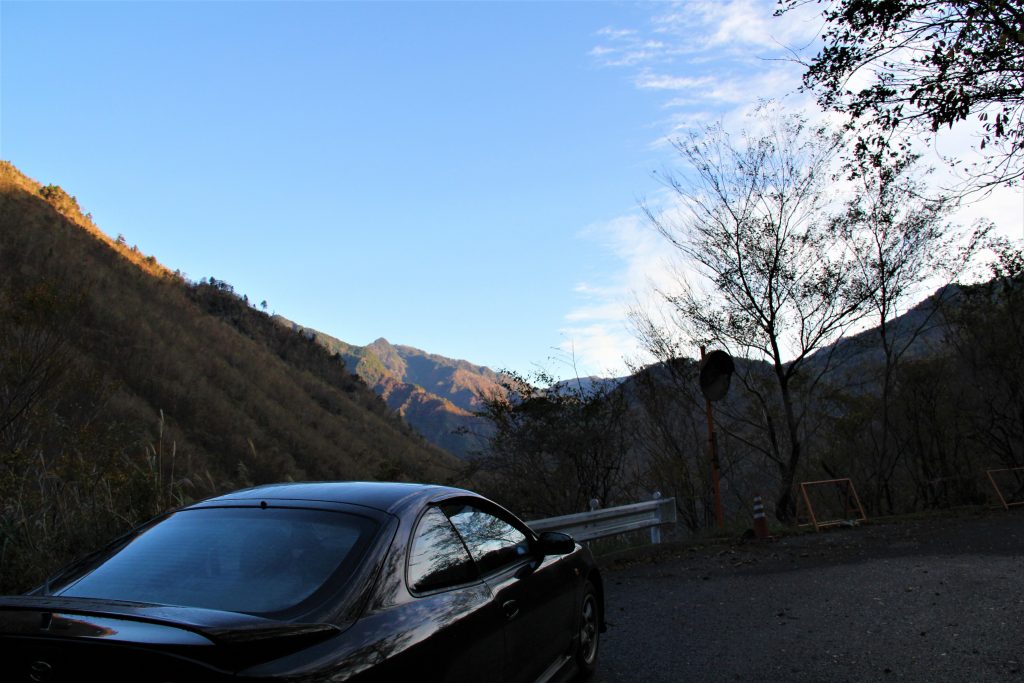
<point x="432" y="618"/>
<point x="453" y="602"/>
<point x="534" y="593"/>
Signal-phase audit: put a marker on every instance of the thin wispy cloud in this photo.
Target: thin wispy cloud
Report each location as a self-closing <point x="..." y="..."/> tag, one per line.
<point x="712" y="57"/>
<point x="735" y="25"/>
<point x="649" y="81"/>
<point x="628" y="47"/>
<point x="598" y="312"/>
<point x="616" y="33"/>
<point x="597" y="331"/>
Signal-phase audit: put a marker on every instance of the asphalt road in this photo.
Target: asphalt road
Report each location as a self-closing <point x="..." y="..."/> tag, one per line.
<point x="927" y="600"/>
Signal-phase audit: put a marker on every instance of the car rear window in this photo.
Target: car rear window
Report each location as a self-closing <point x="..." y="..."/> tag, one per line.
<point x="250" y="560"/>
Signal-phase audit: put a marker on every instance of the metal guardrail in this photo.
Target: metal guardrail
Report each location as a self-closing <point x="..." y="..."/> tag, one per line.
<point x="586" y="526"/>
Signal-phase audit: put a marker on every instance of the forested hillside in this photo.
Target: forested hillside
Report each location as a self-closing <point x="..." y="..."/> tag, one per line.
<point x="125" y="389"/>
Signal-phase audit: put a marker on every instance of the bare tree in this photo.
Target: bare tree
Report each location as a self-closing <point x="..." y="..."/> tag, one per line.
<point x="556" y="445"/>
<point x="752" y="223"/>
<point x="901" y="243"/>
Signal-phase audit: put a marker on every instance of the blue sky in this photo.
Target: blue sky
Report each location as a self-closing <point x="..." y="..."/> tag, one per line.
<point x="460" y="177"/>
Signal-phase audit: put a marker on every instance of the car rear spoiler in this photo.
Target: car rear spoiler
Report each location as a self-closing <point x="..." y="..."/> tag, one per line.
<point x="232" y="638"/>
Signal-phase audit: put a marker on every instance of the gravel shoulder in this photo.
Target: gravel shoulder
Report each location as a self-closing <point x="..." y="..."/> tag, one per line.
<point x="935" y="599"/>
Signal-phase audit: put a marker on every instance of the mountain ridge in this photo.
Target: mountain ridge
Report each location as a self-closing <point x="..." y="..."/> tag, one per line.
<point x="438" y="396"/>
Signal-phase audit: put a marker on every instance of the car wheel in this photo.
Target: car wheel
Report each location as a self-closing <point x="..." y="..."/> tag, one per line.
<point x="590" y="631"/>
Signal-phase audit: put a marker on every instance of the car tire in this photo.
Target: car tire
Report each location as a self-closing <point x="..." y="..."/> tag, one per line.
<point x="589" y="632"/>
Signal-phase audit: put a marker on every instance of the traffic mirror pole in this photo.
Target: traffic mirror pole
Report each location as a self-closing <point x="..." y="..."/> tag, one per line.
<point x="713" y="448"/>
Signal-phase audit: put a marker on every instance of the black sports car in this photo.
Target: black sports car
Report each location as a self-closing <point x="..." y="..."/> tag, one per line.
<point x="316" y="582"/>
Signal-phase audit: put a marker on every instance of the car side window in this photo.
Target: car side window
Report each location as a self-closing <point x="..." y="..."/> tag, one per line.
<point x="493" y="542"/>
<point x="438" y="558"/>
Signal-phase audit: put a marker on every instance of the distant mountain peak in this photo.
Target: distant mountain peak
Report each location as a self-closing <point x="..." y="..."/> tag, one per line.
<point x="436" y="395"/>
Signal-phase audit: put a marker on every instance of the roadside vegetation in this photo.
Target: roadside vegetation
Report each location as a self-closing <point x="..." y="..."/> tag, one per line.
<point x="915" y="431"/>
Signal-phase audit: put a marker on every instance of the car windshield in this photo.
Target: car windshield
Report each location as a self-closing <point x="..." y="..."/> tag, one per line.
<point x="250" y="560"/>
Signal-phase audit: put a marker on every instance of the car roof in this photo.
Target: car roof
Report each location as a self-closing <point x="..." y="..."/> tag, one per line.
<point x="392" y="497"/>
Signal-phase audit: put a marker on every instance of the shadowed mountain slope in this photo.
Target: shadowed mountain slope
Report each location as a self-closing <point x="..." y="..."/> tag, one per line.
<point x="239" y="399"/>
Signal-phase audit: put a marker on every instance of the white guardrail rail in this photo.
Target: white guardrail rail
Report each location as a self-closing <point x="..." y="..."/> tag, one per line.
<point x="586" y="526"/>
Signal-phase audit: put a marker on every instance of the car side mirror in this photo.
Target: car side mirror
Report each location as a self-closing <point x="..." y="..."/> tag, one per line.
<point x="555" y="543"/>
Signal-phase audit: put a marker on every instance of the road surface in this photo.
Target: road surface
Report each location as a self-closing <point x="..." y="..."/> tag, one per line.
<point x="940" y="599"/>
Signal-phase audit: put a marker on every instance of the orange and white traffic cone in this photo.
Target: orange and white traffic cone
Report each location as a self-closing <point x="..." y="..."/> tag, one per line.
<point x="760" y="521"/>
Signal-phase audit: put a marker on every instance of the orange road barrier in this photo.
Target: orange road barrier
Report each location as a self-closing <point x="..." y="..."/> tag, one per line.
<point x="1016" y="473"/>
<point x="760" y="521"/>
<point x="846" y="493"/>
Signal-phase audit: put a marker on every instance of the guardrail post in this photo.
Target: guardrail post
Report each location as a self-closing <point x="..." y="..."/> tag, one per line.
<point x="656" y="530"/>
